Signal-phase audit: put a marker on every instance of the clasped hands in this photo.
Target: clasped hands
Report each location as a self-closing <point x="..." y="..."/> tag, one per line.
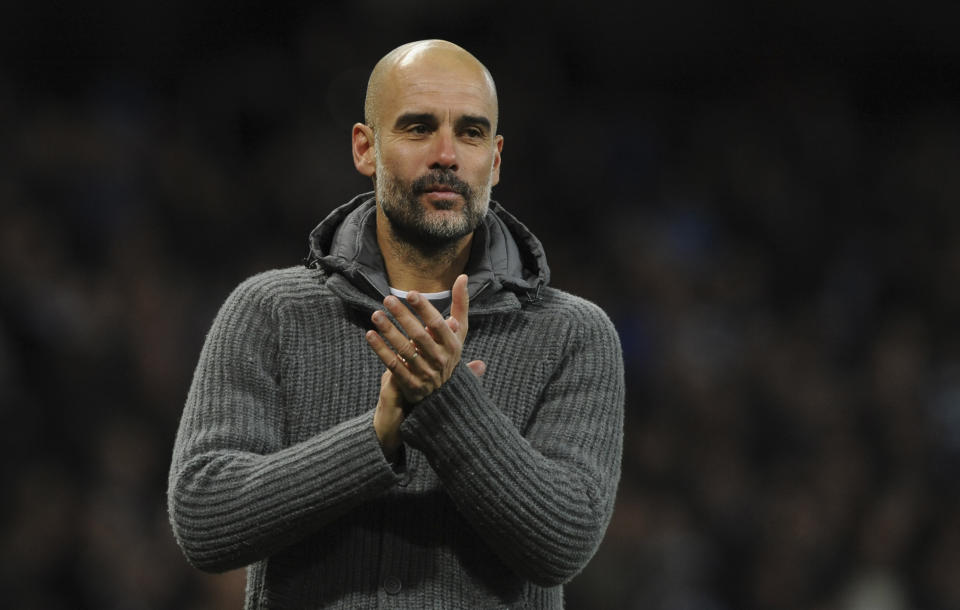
<point x="420" y="362"/>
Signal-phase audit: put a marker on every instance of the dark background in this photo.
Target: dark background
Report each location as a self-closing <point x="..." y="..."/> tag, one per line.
<point x="763" y="196"/>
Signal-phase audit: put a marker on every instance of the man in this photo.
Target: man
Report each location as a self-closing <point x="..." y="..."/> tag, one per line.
<point x="357" y="449"/>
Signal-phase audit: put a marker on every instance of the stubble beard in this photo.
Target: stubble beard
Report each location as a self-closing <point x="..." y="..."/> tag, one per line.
<point x="429" y="231"/>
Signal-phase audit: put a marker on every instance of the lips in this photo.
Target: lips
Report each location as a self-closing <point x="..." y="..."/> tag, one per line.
<point x="441" y="182"/>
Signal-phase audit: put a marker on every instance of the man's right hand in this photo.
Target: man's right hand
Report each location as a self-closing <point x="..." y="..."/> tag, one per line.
<point x="388" y="416"/>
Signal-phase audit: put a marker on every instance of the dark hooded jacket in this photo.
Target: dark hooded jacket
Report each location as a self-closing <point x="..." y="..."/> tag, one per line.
<point x="506" y="483"/>
<point x="506" y="256"/>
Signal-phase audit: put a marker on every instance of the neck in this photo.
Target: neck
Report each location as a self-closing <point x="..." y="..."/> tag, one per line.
<point x="411" y="268"/>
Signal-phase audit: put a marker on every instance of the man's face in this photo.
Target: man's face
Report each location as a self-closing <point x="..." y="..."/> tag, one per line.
<point x="437" y="154"/>
<point x="433" y="210"/>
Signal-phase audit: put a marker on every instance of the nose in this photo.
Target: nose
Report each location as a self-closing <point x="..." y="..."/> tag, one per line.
<point x="444" y="151"/>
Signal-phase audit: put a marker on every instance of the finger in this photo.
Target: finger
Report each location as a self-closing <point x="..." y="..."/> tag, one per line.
<point x="431" y="355"/>
<point x="419" y="365"/>
<point x="401" y="378"/>
<point x="428" y="363"/>
<point x="460" y="305"/>
<point x="391" y="391"/>
<point x="433" y="332"/>
<point x="393" y="335"/>
<point x="477" y="367"/>
<point x="389" y="414"/>
<point x="402" y="375"/>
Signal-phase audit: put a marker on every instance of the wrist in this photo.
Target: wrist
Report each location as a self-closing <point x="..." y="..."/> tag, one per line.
<point x="387" y="435"/>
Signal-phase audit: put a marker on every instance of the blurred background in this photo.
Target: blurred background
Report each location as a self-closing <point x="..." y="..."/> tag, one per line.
<point x="763" y="196"/>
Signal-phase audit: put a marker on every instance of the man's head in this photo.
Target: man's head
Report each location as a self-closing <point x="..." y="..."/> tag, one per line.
<point x="430" y="142"/>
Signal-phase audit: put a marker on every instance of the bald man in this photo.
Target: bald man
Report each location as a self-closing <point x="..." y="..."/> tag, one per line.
<point x="414" y="419"/>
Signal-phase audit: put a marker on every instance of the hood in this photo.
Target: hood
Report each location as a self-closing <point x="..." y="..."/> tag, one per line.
<point x="505" y="255"/>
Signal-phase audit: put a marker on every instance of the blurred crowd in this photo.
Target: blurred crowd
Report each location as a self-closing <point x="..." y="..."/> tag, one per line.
<point x="778" y="251"/>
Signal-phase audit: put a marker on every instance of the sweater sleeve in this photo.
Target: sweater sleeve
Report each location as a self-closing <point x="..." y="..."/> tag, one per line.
<point x="541" y="497"/>
<point x="236" y="494"/>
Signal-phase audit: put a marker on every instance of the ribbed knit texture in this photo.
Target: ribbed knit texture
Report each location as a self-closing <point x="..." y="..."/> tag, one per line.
<point x="507" y="483"/>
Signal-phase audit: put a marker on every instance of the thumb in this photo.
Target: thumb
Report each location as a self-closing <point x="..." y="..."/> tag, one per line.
<point x="460" y="305"/>
<point x="477" y="367"/>
<point x="388" y="385"/>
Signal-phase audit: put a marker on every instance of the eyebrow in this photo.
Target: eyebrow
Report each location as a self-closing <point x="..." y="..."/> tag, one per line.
<point x="430" y="120"/>
<point x="471" y="120"/>
<point x="411" y="118"/>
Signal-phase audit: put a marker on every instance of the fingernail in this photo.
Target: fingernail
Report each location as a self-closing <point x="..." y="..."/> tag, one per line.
<point x="378" y="316"/>
<point x="413" y="298"/>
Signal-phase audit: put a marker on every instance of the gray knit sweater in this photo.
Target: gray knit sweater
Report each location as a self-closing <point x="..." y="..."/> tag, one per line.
<point x="506" y="482"/>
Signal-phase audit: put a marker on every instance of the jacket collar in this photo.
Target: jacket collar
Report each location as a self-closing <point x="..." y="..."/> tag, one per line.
<point x="507" y="263"/>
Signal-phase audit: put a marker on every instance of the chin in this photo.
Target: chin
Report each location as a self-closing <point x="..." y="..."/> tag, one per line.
<point x="443" y="206"/>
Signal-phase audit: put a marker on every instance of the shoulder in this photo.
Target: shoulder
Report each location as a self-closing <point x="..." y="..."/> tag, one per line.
<point x="277" y="289"/>
<point x="581" y="318"/>
<point x="561" y="303"/>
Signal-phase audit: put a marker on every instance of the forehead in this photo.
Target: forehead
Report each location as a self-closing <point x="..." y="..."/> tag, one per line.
<point x="438" y="85"/>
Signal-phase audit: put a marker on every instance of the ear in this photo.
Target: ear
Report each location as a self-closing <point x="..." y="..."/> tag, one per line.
<point x="498" y="148"/>
<point x="363" y="152"/>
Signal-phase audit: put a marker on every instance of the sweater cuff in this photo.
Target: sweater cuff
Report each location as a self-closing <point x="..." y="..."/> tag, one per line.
<point x="353" y="458"/>
<point x="451" y="414"/>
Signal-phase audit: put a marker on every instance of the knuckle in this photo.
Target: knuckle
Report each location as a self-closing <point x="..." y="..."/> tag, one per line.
<point x="420" y="335"/>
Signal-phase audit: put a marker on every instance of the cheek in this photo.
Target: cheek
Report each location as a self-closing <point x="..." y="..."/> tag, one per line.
<point x="403" y="168"/>
<point x="398" y="158"/>
<point x="490" y="171"/>
<point x="478" y="162"/>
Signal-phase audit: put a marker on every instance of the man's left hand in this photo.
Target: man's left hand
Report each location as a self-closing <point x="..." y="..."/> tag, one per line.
<point x="423" y="362"/>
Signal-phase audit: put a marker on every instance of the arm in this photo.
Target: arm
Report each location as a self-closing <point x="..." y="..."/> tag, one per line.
<point x="236" y="494"/>
<point x="542" y="498"/>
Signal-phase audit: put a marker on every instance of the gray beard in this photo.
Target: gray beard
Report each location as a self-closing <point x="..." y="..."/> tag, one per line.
<point x="411" y="223"/>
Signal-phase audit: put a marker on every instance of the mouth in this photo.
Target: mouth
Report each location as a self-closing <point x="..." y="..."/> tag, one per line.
<point x="442" y="199"/>
<point x="441" y="188"/>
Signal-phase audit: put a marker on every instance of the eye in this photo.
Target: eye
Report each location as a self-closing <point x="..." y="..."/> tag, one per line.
<point x="419" y="129"/>
<point x="473" y="132"/>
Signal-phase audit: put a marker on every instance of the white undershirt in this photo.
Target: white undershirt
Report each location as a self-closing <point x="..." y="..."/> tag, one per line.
<point x="430" y="296"/>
